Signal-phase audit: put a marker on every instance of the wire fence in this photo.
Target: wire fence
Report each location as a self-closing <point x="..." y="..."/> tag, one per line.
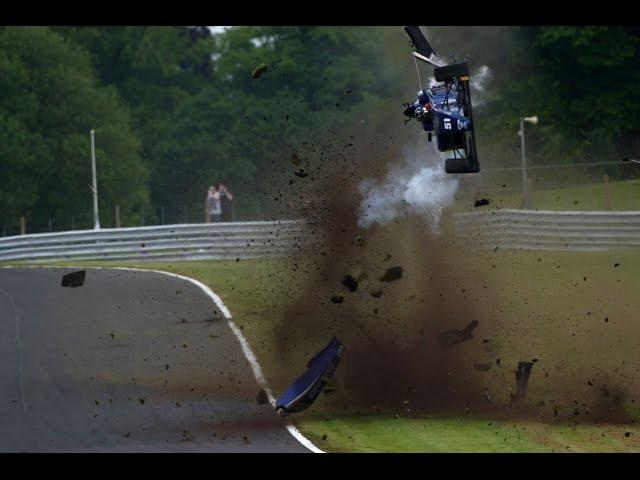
<point x="491" y="181"/>
<point x="124" y="216"/>
<point x="607" y="185"/>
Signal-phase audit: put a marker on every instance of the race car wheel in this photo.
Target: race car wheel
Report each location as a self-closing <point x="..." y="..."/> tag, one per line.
<point x="457" y="165"/>
<point x="449" y="72"/>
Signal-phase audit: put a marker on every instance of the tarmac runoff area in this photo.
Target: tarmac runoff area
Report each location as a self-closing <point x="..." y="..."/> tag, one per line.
<point x="130" y="361"/>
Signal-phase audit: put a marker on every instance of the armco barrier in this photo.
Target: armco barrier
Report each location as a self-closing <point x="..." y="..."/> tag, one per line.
<point x="548" y="230"/>
<point x="166" y="242"/>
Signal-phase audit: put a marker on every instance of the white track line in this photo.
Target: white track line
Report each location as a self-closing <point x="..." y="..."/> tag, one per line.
<point x="246" y="349"/>
<point x="19" y="345"/>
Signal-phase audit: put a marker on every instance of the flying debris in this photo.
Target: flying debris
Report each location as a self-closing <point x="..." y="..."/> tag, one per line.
<point x="522" y="379"/>
<point x="73" y="279"/>
<point x="304" y="391"/>
<point x="262" y="397"/>
<point x="634" y="160"/>
<point x="350" y="282"/>
<point x="453" y="337"/>
<point x="445" y="107"/>
<point x="260" y="69"/>
<point x="295" y="159"/>
<point x="482" y="367"/>
<point x="393" y="273"/>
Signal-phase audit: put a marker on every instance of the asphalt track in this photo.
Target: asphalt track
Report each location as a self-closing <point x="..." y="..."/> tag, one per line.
<point x="131" y="361"/>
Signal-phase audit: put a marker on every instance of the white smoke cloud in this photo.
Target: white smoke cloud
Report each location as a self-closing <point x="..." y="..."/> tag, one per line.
<point x="478" y="83"/>
<point x="419" y="185"/>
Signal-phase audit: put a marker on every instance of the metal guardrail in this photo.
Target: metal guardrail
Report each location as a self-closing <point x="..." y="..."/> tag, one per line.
<point x="166" y="242"/>
<point x="506" y="229"/>
<point x="548" y="230"/>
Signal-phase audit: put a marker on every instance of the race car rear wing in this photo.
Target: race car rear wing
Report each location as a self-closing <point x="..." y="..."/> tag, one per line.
<point x="424" y="51"/>
<point x="432" y="60"/>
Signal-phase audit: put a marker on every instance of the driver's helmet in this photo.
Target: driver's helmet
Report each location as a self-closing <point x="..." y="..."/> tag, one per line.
<point x="423" y="97"/>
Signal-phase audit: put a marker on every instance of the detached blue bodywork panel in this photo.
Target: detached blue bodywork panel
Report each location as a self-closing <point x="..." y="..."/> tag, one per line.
<point x="303" y="392"/>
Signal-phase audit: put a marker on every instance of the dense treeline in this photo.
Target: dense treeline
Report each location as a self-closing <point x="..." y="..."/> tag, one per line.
<point x="176" y="109"/>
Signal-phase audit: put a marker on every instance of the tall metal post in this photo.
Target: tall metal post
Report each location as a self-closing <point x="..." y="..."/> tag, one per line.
<point x="525" y="183"/>
<point x="96" y="217"/>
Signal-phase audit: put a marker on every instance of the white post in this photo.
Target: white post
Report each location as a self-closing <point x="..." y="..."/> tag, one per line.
<point x="525" y="195"/>
<point x="96" y="218"/>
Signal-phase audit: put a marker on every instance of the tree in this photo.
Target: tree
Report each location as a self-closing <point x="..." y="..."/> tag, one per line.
<point x="50" y="102"/>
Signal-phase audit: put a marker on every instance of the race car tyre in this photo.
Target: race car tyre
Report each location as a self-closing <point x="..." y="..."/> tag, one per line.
<point x="458" y="165"/>
<point x="449" y="72"/>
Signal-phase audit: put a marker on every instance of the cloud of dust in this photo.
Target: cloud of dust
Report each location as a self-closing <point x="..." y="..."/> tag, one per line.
<point x="393" y="361"/>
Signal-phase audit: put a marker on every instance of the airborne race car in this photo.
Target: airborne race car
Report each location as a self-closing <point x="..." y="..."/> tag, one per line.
<point x="445" y="108"/>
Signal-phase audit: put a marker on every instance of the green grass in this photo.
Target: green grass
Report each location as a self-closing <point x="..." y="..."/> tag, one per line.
<point x="465" y="435"/>
<point x="624" y="195"/>
<point x="374" y="434"/>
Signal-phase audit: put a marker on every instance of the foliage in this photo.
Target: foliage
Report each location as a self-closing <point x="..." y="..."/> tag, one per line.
<point x="176" y="108"/>
<point x="50" y="101"/>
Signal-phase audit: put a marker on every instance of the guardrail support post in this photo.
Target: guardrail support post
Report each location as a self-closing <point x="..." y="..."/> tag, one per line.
<point x="118" y="224"/>
<point x="23" y="226"/>
<point x="607" y="192"/>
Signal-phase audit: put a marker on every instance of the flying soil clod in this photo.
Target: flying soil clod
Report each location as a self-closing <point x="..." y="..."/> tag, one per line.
<point x="73" y="279"/>
<point x="259" y="70"/>
<point x="393" y="273"/>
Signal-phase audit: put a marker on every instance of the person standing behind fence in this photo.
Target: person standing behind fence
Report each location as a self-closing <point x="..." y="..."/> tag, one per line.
<point x="214" y="209"/>
<point x="226" y="204"/>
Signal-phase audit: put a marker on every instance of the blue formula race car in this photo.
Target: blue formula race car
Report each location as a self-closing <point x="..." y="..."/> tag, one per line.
<point x="444" y="108"/>
<point x="304" y="391"/>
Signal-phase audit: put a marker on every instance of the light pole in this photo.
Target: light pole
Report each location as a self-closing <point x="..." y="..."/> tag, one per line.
<point x="525" y="193"/>
<point x="94" y="187"/>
